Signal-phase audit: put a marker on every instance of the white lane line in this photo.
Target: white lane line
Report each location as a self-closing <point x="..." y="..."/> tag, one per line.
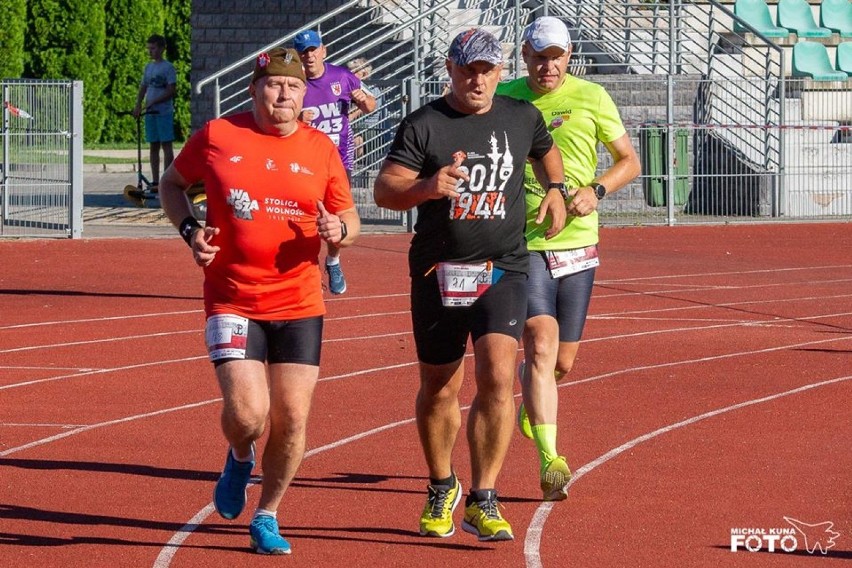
<point x="102" y="340"/>
<point x="100" y="319"/>
<point x="597" y="282"/>
<point x="736" y="273"/>
<point x="82" y="429"/>
<point x="169" y="550"/>
<point x="532" y="541"/>
<point x="37" y="425"/>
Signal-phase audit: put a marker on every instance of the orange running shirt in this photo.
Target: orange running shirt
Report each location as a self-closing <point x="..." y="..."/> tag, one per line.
<point x="262" y="194"/>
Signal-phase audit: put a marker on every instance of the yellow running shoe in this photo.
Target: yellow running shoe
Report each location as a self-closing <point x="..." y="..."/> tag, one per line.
<point x="437" y="517"/>
<point x="554" y="480"/>
<point x="483" y="519"/>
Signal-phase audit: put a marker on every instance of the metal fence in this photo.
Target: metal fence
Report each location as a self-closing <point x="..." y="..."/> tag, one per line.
<point x="41" y="181"/>
<point x="726" y="131"/>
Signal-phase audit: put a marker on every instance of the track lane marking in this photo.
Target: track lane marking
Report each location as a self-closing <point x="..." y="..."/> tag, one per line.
<point x="532" y="541"/>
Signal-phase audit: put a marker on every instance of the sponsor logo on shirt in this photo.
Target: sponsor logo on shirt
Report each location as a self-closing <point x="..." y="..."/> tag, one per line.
<point x="559" y="117"/>
<point x="242" y="203"/>
<point x="297" y="168"/>
<point x="270" y="165"/>
<point x="236" y="159"/>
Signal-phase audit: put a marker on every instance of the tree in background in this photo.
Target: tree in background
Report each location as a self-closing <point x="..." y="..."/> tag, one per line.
<point x="12" y="38"/>
<point x="178" y="32"/>
<point x="129" y="24"/>
<point x="66" y="40"/>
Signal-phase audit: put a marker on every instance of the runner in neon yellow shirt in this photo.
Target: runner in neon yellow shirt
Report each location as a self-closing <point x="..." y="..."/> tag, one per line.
<point x="578" y="114"/>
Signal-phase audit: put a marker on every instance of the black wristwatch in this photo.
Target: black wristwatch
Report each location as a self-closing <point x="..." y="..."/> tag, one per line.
<point x="600" y="191"/>
<point x="560" y="186"/>
<point x="343" y="231"/>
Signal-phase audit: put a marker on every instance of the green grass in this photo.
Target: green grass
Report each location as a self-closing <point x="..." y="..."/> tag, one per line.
<point x="109" y="160"/>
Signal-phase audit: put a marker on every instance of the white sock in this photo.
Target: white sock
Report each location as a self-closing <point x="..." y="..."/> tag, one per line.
<point x="246" y="459"/>
<point x="332" y="260"/>
<point x="265" y="513"/>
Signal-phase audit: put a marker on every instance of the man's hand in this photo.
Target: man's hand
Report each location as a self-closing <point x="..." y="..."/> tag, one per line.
<point x="583" y="201"/>
<point x="359" y="97"/>
<point x="329" y="225"/>
<point x="444" y="182"/>
<point x="307" y="116"/>
<point x="202" y="251"/>
<point x="553" y="204"/>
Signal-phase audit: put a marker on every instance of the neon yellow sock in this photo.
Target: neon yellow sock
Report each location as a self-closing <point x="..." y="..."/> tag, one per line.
<point x="544" y="436"/>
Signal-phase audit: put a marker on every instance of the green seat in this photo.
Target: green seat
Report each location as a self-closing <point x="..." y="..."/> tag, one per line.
<point x="796" y="16"/>
<point x="836" y="15"/>
<point x="756" y="13"/>
<point x="843" y="57"/>
<point x="810" y="59"/>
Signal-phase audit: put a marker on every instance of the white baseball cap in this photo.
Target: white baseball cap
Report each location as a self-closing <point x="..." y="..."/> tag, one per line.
<point x="547" y="31"/>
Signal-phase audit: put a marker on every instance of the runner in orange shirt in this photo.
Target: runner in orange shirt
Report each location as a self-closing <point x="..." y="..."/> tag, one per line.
<point x="275" y="189"/>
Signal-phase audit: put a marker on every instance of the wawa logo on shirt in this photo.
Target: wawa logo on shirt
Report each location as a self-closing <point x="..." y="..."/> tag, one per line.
<point x="242" y="203"/>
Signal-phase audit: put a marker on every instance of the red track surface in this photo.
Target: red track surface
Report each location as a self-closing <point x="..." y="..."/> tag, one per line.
<point x="109" y="413"/>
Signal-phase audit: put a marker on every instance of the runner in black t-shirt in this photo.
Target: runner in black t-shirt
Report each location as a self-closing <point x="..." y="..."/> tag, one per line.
<point x="460" y="161"/>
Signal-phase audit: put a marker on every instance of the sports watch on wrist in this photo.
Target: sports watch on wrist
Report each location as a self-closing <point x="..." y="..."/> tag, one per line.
<point x="560" y="186"/>
<point x="600" y="190"/>
<point x="343" y="231"/>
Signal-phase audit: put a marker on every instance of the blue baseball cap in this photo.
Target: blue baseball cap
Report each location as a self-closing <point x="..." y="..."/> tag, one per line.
<point x="306" y="40"/>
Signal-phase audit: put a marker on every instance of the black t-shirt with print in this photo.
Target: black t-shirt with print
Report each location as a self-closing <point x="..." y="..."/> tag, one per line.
<point x="486" y="221"/>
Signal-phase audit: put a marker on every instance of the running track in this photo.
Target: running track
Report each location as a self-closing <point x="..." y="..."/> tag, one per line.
<point x="713" y="391"/>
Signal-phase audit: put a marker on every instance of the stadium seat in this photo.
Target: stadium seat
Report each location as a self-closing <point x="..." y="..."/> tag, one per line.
<point x="756" y="13"/>
<point x="836" y="15"/>
<point x="843" y="57"/>
<point x="810" y="59"/>
<point x="796" y="16"/>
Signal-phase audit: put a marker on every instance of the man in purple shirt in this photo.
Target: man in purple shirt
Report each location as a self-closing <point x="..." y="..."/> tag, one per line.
<point x="332" y="89"/>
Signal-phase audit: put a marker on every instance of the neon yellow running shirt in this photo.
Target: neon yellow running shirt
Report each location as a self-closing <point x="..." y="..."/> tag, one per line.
<point x="578" y="114"/>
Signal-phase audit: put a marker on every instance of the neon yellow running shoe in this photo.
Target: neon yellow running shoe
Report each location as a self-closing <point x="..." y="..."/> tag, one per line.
<point x="437" y="517"/>
<point x="554" y="480"/>
<point x="483" y="519"/>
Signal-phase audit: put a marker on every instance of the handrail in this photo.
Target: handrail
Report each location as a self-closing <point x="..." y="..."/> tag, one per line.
<point x="237" y="64"/>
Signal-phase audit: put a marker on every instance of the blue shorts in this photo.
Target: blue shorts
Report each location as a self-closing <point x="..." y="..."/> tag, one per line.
<point x="160" y="127"/>
<point x="566" y="298"/>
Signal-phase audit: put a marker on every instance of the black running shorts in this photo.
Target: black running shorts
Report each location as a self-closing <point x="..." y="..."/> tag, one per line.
<point x="441" y="333"/>
<point x="231" y="338"/>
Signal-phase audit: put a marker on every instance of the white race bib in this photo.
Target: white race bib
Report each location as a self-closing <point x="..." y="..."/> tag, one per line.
<point x="226" y="336"/>
<point x="461" y="284"/>
<point x="564" y="262"/>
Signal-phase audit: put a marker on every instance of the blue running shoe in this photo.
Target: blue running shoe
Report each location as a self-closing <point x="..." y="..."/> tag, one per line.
<point x="229" y="497"/>
<point x="336" y="281"/>
<point x="265" y="538"/>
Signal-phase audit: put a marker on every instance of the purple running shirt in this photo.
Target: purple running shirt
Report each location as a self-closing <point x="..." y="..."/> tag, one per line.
<point x="328" y="97"/>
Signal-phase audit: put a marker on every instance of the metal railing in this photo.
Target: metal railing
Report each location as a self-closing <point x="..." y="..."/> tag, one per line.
<point x="718" y="122"/>
<point x="41" y="166"/>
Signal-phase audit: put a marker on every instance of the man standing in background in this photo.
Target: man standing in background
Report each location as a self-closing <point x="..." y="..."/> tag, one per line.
<point x="331" y="91"/>
<point x="157" y="90"/>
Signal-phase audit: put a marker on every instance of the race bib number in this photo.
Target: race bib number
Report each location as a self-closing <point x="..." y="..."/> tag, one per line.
<point x="565" y="262"/>
<point x="226" y="337"/>
<point x="461" y="284"/>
